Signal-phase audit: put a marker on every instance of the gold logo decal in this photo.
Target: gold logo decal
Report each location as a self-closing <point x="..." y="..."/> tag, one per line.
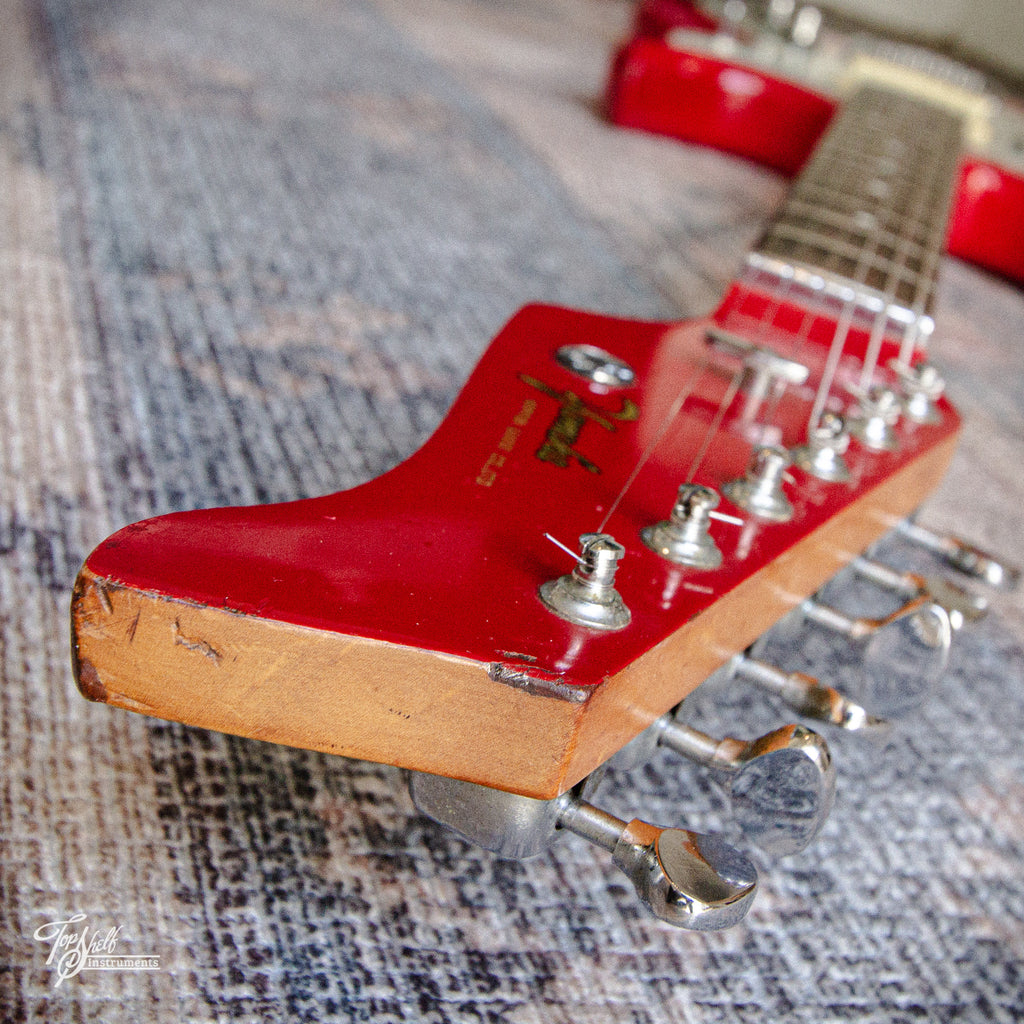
<point x="573" y="413"/>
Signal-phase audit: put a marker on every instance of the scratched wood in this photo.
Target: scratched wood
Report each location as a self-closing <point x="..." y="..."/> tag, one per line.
<point x="349" y="695"/>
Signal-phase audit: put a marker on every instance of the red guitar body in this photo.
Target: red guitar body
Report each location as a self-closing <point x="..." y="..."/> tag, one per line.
<point x="689" y="95"/>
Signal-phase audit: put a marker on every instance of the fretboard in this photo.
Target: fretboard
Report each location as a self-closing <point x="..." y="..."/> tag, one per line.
<point x="865" y="222"/>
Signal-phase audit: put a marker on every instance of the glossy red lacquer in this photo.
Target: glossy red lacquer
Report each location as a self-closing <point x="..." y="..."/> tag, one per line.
<point x="693" y="96"/>
<point x="446" y="551"/>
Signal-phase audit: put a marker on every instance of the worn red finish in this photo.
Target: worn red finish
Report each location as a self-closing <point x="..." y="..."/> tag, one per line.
<point x="446" y="551"/>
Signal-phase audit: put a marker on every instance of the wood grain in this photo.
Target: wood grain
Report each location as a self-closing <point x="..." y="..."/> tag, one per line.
<point x="284" y="683"/>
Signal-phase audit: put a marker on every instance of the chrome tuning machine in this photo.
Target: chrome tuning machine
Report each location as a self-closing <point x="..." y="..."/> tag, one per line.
<point x="806" y="695"/>
<point x="961" y="605"/>
<point x="922" y="387"/>
<point x="781" y="785"/>
<point x="904" y="654"/>
<point x="760" y="490"/>
<point x="962" y="556"/>
<point x="683" y="538"/>
<point x="688" y="879"/>
<point x="823" y="456"/>
<point x="873" y="420"/>
<point x="587" y="595"/>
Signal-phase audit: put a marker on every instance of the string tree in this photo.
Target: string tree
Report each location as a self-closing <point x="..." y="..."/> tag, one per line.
<point x="587" y="595"/>
<point x="766" y="373"/>
<point x="689" y="879"/>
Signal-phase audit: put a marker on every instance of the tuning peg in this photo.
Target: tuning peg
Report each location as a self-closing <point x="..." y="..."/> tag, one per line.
<point x="683" y="538"/>
<point x="904" y="654"/>
<point x="806" y="695"/>
<point x="960" y="604"/>
<point x="760" y="491"/>
<point x="587" y="596"/>
<point x="873" y="419"/>
<point x="823" y="454"/>
<point x="781" y="785"/>
<point x="922" y="387"/>
<point x="963" y="556"/>
<point x="688" y="879"/>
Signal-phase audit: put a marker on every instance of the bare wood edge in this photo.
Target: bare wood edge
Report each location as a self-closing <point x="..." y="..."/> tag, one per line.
<point x="418" y="709"/>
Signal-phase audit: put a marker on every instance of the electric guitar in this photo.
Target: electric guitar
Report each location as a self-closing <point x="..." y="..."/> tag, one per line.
<point x="612" y="512"/>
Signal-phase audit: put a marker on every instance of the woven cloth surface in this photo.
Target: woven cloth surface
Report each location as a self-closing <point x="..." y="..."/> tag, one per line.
<point x="249" y="251"/>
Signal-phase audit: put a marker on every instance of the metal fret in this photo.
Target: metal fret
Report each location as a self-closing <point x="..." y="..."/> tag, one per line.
<point x="866" y="220"/>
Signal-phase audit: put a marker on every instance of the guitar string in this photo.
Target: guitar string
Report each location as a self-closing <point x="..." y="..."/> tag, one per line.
<point x="935" y="252"/>
<point x="769" y="319"/>
<point x="845" y="322"/>
<point x="802" y="336"/>
<point x="715" y="425"/>
<point x="850" y="173"/>
<point x="923" y="282"/>
<point x="673" y="411"/>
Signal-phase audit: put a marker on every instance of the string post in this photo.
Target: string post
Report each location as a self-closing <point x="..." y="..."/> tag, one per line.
<point x="764" y="372"/>
<point x="587" y="596"/>
<point x="823" y="454"/>
<point x="684" y="537"/>
<point x="760" y="490"/>
<point x="922" y="387"/>
<point x="874" y="418"/>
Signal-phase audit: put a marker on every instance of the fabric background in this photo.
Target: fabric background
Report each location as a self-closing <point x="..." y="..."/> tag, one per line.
<point x="249" y="250"/>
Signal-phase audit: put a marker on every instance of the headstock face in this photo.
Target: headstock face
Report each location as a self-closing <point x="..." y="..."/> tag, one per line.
<point x="440" y="560"/>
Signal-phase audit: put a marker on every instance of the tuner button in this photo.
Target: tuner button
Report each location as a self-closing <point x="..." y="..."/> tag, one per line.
<point x="587" y="596"/>
<point x="822" y="455"/>
<point x="760" y="490"/>
<point x="688" y="879"/>
<point x="904" y="662"/>
<point x="683" y="538"/>
<point x="781" y="785"/>
<point x="961" y="605"/>
<point x="783" y="789"/>
<point x="904" y="654"/>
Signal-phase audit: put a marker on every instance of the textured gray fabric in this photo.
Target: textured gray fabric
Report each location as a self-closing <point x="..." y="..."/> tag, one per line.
<point x="249" y="250"/>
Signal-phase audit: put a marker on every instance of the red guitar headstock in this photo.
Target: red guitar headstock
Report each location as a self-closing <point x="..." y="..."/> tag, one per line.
<point x="612" y="512"/>
<point x="403" y="622"/>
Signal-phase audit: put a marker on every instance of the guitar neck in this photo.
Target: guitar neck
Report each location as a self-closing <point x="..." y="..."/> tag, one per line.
<point x="865" y="222"/>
